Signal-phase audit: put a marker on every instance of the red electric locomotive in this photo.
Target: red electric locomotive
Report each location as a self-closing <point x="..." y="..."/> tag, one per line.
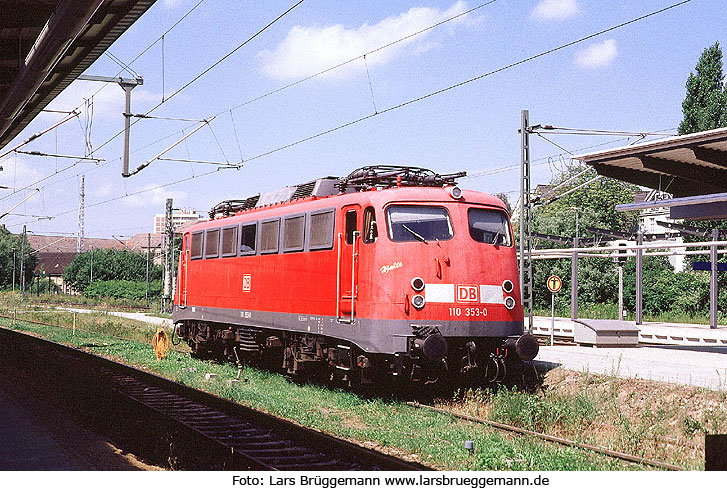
<point x="390" y="272"/>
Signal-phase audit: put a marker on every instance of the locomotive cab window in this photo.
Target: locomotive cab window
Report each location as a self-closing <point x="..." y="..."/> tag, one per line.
<point x="269" y="236"/>
<point x="248" y="232"/>
<point x="371" y="231"/>
<point x="422" y="223"/>
<point x="212" y="243"/>
<point x="195" y="251"/>
<point x="489" y="226"/>
<point x="229" y="241"/>
<point x="320" y="229"/>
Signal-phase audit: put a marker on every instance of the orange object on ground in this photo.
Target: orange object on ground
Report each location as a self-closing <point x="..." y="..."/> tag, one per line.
<point x="160" y="342"/>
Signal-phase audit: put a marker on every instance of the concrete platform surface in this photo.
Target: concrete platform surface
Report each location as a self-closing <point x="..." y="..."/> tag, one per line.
<point x="707" y="368"/>
<point x="39" y="437"/>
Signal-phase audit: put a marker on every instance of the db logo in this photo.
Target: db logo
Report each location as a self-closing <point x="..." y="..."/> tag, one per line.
<point x="246" y="282"/>
<point x="468" y="293"/>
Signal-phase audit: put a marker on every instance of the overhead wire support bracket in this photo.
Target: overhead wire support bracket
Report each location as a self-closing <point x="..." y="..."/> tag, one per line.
<point x="35" y="192"/>
<point x="561" y="130"/>
<point x="72" y="114"/>
<point x="194" y="161"/>
<point x="127" y="84"/>
<point x="61" y="156"/>
<point x="145" y="164"/>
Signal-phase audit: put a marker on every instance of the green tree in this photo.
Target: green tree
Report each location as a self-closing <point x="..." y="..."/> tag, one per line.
<point x="11" y="244"/>
<point x="594" y="204"/>
<point x="506" y="201"/>
<point x="107" y="265"/>
<point x="705" y="105"/>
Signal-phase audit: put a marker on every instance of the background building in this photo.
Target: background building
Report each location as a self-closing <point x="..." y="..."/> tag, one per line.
<point x="180" y="217"/>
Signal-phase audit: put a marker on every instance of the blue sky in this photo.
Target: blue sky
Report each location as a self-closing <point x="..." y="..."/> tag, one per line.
<point x="629" y="79"/>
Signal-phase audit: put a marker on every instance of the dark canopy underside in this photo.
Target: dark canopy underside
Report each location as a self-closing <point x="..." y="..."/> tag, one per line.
<point x="46" y="44"/>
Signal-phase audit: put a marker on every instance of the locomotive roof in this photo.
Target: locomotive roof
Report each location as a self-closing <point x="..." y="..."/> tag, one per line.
<point x="376" y="197"/>
<point x="363" y="178"/>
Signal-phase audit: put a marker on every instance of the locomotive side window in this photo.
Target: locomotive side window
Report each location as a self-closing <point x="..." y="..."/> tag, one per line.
<point x="196" y="249"/>
<point x="212" y="243"/>
<point x="293" y="233"/>
<point x="229" y="241"/>
<point x="422" y="223"/>
<point x="351" y="221"/>
<point x="248" y="232"/>
<point x="489" y="226"/>
<point x="371" y="231"/>
<point x="269" y="235"/>
<point x="320" y="229"/>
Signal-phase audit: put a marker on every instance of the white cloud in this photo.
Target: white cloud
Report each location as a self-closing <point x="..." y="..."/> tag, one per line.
<point x="17" y="173"/>
<point x="308" y="50"/>
<point x="104" y="190"/>
<point x="597" y="55"/>
<point x="154" y="195"/>
<point x="556" y="9"/>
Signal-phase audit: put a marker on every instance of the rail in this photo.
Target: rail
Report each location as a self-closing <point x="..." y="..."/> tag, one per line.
<point x="550" y="438"/>
<point x="170" y="423"/>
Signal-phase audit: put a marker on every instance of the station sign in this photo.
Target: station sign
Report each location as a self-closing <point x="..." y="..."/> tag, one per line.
<point x="707" y="266"/>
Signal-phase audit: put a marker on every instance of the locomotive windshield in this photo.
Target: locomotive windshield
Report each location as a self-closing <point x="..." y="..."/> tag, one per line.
<point x="418" y="222"/>
<point x="489" y="226"/>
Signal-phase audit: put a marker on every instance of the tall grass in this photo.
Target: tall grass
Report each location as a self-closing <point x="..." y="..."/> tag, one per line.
<point x="389" y="425"/>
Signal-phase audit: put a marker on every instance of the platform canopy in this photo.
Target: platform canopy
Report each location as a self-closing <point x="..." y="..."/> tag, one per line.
<point x="46" y="44"/>
<point x="690" y="165"/>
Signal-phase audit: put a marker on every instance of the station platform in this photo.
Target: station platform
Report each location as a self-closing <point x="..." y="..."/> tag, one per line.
<point x="651" y="333"/>
<point x="680" y="353"/>
<point x="35" y="436"/>
<point x="699" y="367"/>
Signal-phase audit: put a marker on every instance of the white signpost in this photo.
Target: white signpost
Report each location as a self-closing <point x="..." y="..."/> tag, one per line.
<point x="554" y="285"/>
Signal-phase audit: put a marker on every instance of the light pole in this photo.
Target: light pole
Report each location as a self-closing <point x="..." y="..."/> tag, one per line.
<point x="574" y="272"/>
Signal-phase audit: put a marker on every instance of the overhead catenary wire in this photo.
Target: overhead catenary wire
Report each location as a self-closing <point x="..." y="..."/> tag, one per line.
<point x="561" y="130"/>
<point x="205" y="71"/>
<point x="470" y="80"/>
<point x="408" y="102"/>
<point x="60" y="156"/>
<point x="123" y="66"/>
<point x="76" y="110"/>
<point x="194" y="161"/>
<point x="227" y="55"/>
<point x="363" y="55"/>
<point x="86" y="171"/>
<point x="73" y="114"/>
<point x="145" y="164"/>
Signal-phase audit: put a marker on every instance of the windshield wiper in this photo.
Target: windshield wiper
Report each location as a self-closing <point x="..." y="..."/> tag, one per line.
<point x="415" y="234"/>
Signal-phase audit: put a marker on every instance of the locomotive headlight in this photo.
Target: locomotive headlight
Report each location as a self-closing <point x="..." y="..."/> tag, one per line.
<point x="456" y="192"/>
<point x="507" y="286"/>
<point x="417" y="284"/>
<point x="418" y="301"/>
<point x="509" y="303"/>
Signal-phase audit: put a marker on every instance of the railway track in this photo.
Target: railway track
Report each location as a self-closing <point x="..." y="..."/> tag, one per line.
<point x="558" y="440"/>
<point x="174" y="425"/>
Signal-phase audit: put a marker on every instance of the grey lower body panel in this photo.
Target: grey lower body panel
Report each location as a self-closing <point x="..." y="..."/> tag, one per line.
<point x="376" y="336"/>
